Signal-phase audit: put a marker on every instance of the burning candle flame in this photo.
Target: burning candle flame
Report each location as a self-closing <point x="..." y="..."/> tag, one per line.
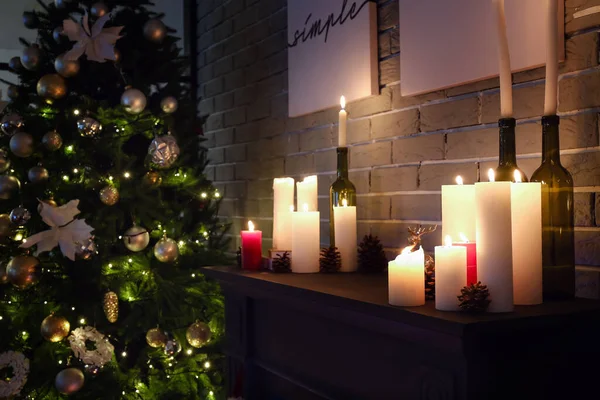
<point x="250" y="226"/>
<point x="305" y="207"/>
<point x="343" y="102"/>
<point x="491" y="175"/>
<point x="459" y="180"/>
<point x="448" y="241"/>
<point x="344" y="203"/>
<point x="292" y="208"/>
<point x="518" y="178"/>
<point x="463" y="238"/>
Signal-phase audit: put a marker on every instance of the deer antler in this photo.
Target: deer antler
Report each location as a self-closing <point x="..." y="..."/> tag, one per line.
<point x="417" y="232"/>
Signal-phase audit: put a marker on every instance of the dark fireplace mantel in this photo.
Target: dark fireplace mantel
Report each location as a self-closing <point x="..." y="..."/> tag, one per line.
<point x="318" y="336"/>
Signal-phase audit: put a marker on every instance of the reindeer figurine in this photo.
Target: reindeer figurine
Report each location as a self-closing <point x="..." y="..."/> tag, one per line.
<point x="414" y="239"/>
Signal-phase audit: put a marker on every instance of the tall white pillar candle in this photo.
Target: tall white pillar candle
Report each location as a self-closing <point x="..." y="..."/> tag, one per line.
<point x="526" y="210"/>
<point x="305" y="241"/>
<point x="550" y="104"/>
<point x="406" y="279"/>
<point x="450" y="275"/>
<point x="344" y="222"/>
<point x="342" y="129"/>
<point x="494" y="242"/>
<point x="283" y="198"/>
<point x="458" y="210"/>
<point x="307" y="193"/>
<point x="506" y="106"/>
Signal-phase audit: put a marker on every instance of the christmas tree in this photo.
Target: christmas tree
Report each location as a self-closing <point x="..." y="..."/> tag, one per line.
<point x="105" y="213"/>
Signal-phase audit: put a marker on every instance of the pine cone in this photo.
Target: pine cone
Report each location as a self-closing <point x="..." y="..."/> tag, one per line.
<point x="371" y="257"/>
<point x="283" y="263"/>
<point x="474" y="298"/>
<point x="429" y="277"/>
<point x="331" y="259"/>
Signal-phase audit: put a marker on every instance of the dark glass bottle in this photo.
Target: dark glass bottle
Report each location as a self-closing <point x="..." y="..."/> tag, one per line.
<point x="507" y="163"/>
<point x="341" y="189"/>
<point x="558" y="244"/>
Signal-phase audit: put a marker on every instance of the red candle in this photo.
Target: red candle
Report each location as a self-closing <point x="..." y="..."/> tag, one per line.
<point x="471" y="261"/>
<point x="251" y="248"/>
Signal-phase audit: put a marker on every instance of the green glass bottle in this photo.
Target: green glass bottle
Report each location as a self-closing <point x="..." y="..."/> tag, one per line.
<point x="340" y="190"/>
<point x="558" y="243"/>
<point x="507" y="163"/>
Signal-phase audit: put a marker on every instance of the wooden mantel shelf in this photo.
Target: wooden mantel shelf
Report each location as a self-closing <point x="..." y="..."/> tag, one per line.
<point x="319" y="336"/>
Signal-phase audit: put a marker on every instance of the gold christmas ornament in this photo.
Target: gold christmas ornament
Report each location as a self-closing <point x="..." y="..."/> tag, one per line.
<point x="38" y="174"/>
<point x="21" y="144"/>
<point x="166" y="250"/>
<point x="109" y="195"/>
<point x="152" y="179"/>
<point x="3" y="275"/>
<point x="136" y="238"/>
<point x="99" y="9"/>
<point x="54" y="329"/>
<point x="133" y="100"/>
<point x="66" y="68"/>
<point x="169" y="104"/>
<point x="6" y="227"/>
<point x="22" y="271"/>
<point x="69" y="381"/>
<point x="9" y="186"/>
<point x="198" y="334"/>
<point x="12" y="92"/>
<point x="30" y="58"/>
<point x="110" y="305"/>
<point x="156" y="338"/>
<point x="52" y="86"/>
<point x="155" y="31"/>
<point x="52" y="141"/>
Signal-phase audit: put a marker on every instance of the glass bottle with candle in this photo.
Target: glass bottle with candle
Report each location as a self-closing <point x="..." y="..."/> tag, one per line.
<point x="558" y="244"/>
<point x="508" y="152"/>
<point x="341" y="189"/>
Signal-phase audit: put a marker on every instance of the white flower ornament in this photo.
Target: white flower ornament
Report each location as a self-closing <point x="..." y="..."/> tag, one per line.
<point x="65" y="231"/>
<point x="98" y="44"/>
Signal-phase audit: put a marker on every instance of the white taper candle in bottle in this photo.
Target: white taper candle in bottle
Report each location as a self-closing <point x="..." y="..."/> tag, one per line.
<point x="343" y="124"/>
<point x="551" y="97"/>
<point x="506" y="105"/>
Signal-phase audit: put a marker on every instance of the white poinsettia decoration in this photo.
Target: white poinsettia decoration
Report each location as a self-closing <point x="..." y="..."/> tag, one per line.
<point x="98" y="44"/>
<point x="65" y="231"/>
<point x="20" y="370"/>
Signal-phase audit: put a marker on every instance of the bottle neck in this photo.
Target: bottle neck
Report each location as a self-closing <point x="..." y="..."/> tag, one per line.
<point x="508" y="151"/>
<point x="342" y="162"/>
<point x="550" y="139"/>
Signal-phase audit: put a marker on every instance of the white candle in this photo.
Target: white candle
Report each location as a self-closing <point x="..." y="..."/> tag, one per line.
<point x="406" y="279"/>
<point x="506" y="106"/>
<point x="458" y="210"/>
<point x="343" y="124"/>
<point x="283" y="198"/>
<point x="494" y="242"/>
<point x="307" y="193"/>
<point x="526" y="241"/>
<point x="550" y="103"/>
<point x="344" y="220"/>
<point x="450" y="275"/>
<point x="305" y="241"/>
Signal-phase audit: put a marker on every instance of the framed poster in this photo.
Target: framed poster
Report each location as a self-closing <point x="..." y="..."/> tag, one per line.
<point x="449" y="43"/>
<point x="332" y="51"/>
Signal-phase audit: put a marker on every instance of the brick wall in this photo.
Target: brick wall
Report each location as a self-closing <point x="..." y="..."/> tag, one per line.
<point x="401" y="148"/>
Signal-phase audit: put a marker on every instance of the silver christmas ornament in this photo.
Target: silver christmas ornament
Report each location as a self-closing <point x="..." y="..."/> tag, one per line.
<point x="86" y="250"/>
<point x="11" y="124"/>
<point x="88" y="127"/>
<point x="21" y="144"/>
<point x="4" y="161"/>
<point x="15" y="63"/>
<point x="38" y="174"/>
<point x="133" y="100"/>
<point x="164" y="151"/>
<point x="172" y="347"/>
<point x="30" y="58"/>
<point x="66" y="68"/>
<point x="109" y="195"/>
<point x="169" y="104"/>
<point x="69" y="381"/>
<point x="20" y="216"/>
<point x="9" y="187"/>
<point x="23" y="271"/>
<point x="99" y="9"/>
<point x="57" y="34"/>
<point x="136" y="238"/>
<point x="166" y="250"/>
<point x="155" y="31"/>
<point x="52" y="140"/>
<point x="12" y="92"/>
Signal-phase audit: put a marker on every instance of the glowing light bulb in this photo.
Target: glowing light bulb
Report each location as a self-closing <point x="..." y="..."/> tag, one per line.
<point x="110" y="266"/>
<point x="207" y="365"/>
<point x="82" y="321"/>
<point x="65" y="178"/>
<point x="217" y="194"/>
<point x="72" y="308"/>
<point x="204" y="195"/>
<point x="189" y="352"/>
<point x="24" y="333"/>
<point x="110" y="178"/>
<point x="76" y="111"/>
<point x="75" y="171"/>
<point x="127" y="175"/>
<point x="60" y="362"/>
<point x="181" y="242"/>
<point x="211" y="393"/>
<point x="130" y="260"/>
<point x="124" y="354"/>
<point x="193" y="275"/>
<point x="1" y="317"/>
